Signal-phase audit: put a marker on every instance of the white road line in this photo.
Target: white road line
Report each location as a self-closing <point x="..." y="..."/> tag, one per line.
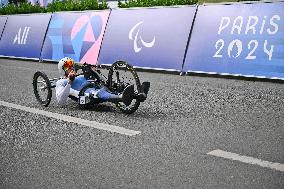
<point x="66" y="118"/>
<point x="246" y="159"/>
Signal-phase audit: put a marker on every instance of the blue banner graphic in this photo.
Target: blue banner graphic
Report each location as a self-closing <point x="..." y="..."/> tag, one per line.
<point x="148" y="38"/>
<point x="75" y="35"/>
<point x="23" y="35"/>
<point x="240" y="39"/>
<point x="2" y="24"/>
<point x="3" y="2"/>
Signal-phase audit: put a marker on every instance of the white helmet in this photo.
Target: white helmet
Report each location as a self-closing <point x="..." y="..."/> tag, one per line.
<point x="61" y="64"/>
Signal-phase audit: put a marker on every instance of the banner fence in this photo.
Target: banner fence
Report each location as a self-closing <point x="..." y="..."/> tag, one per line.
<point x="23" y="35"/>
<point x="77" y="35"/>
<point x="151" y="38"/>
<point x="237" y="39"/>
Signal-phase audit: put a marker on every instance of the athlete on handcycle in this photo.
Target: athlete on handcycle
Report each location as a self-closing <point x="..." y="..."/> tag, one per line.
<point x="71" y="85"/>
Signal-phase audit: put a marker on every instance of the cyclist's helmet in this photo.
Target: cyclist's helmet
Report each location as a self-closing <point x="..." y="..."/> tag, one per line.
<point x="64" y="64"/>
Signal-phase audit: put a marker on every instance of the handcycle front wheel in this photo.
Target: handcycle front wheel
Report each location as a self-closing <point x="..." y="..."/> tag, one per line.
<point x="121" y="74"/>
<point x="42" y="88"/>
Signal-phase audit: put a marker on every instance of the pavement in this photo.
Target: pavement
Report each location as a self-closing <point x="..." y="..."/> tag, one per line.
<point x="179" y="128"/>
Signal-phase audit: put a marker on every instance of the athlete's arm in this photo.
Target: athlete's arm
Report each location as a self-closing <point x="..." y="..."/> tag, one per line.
<point x="62" y="92"/>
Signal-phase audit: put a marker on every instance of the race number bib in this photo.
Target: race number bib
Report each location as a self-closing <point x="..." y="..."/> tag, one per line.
<point x="82" y="100"/>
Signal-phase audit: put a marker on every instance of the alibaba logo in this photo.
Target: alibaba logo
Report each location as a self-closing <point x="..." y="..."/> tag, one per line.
<point x="138" y="48"/>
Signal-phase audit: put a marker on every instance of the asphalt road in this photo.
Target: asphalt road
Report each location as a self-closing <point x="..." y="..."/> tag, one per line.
<point x="184" y="118"/>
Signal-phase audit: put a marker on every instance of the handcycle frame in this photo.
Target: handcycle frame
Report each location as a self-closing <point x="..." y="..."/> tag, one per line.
<point x="113" y="82"/>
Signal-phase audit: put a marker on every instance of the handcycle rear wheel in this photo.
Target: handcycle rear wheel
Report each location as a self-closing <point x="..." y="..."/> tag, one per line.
<point x="121" y="74"/>
<point x="42" y="88"/>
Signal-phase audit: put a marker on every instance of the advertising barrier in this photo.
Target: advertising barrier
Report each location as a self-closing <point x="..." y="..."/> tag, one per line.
<point x="75" y="35"/>
<point x="3" y="20"/>
<point x="154" y="38"/>
<point x="239" y="39"/>
<point x="23" y="35"/>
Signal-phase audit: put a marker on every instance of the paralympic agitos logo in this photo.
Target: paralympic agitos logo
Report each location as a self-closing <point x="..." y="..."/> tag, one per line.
<point x="261" y="29"/>
<point x="138" y="42"/>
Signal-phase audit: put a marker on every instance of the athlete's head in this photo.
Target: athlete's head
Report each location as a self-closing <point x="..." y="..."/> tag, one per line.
<point x="65" y="65"/>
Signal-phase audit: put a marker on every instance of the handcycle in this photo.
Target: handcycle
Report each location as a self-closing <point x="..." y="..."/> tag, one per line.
<point x="119" y="75"/>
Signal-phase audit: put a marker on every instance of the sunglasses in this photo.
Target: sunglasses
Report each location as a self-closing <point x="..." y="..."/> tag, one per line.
<point x="68" y="65"/>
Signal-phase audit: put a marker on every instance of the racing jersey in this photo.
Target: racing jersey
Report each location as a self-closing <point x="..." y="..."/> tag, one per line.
<point x="63" y="89"/>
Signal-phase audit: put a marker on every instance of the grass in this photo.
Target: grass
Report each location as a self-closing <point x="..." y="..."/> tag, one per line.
<point x="150" y="3"/>
<point x="215" y="1"/>
<point x="25" y="7"/>
<point x="221" y="1"/>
